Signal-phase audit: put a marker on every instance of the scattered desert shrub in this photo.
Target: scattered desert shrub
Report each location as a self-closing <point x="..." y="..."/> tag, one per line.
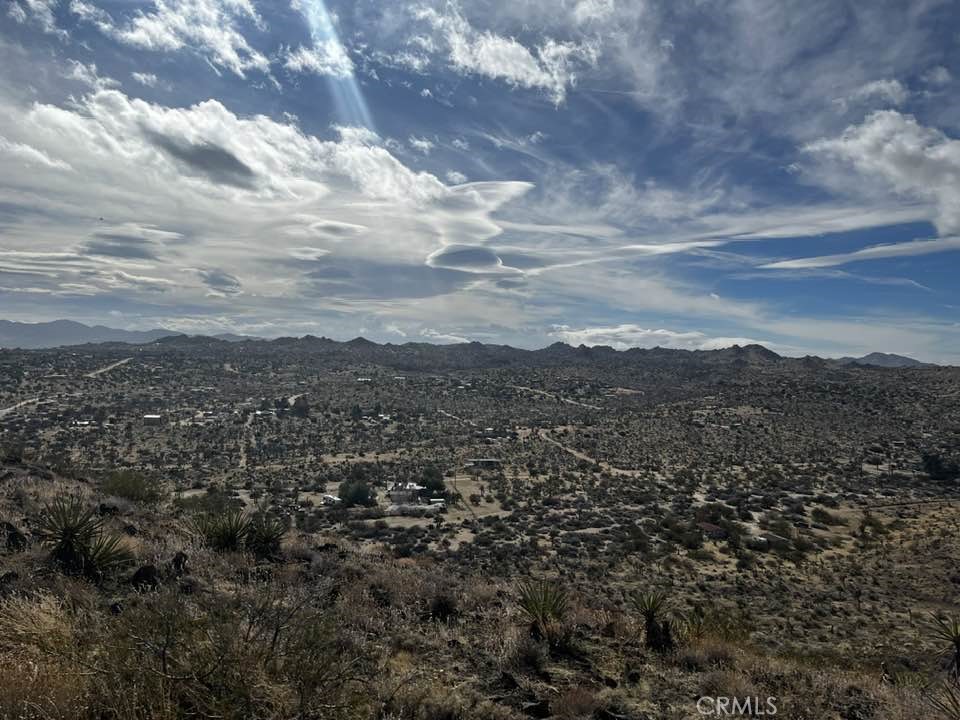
<point x="825" y="517"/>
<point x="701" y="655"/>
<point x="38" y="679"/>
<point x="521" y="652"/>
<point x="132" y="486"/>
<point x="575" y="703"/>
<point x="270" y="653"/>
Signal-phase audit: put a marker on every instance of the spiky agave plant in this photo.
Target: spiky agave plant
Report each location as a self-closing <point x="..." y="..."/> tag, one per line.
<point x="225" y="531"/>
<point x="264" y="534"/>
<point x="947" y="631"/>
<point x="658" y="629"/>
<point x="105" y="553"/>
<point x="546" y="605"/>
<point x="79" y="545"/>
<point x="945" y="699"/>
<point x="69" y="526"/>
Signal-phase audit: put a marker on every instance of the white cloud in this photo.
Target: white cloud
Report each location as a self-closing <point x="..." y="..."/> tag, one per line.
<point x="86" y="73"/>
<point x="938" y="75"/>
<point x="550" y="66"/>
<point x="592" y="10"/>
<point x="875" y="252"/>
<point x="913" y="160"/>
<point x="148" y="79"/>
<point x="298" y="218"/>
<point x="40" y="12"/>
<point x="628" y="335"/>
<point x="421" y="145"/>
<point x="30" y="155"/>
<point x="209" y="27"/>
<point x="890" y="91"/>
<point x="326" y="57"/>
<point x="456" y="178"/>
<point x="442" y="337"/>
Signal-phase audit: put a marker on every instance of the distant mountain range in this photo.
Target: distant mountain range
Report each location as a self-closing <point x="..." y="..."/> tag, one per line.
<point x="60" y="333"/>
<point x="885" y="360"/>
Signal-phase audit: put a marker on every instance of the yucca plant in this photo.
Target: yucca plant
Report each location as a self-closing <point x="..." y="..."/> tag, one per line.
<point x="694" y="625"/>
<point x="69" y="526"/>
<point x="225" y="531"/>
<point x="546" y="605"/>
<point x="946" y="700"/>
<point x="658" y="629"/>
<point x="264" y="534"/>
<point x="105" y="553"/>
<point x="79" y="545"/>
<point x="947" y="631"/>
<point x="702" y="623"/>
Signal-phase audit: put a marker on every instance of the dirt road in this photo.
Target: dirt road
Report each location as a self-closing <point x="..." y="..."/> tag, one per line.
<point x="108" y="368"/>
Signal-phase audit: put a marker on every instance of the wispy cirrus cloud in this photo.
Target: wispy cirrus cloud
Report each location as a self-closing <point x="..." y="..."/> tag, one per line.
<point x="874" y="252"/>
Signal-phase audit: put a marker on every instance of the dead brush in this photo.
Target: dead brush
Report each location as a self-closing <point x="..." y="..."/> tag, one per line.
<point x="576" y="703"/>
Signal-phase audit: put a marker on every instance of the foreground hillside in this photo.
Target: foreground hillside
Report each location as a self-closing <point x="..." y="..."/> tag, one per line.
<point x="176" y="613"/>
<point x="202" y="529"/>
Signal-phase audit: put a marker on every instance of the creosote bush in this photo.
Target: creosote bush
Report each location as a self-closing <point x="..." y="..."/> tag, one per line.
<point x="132" y="486"/>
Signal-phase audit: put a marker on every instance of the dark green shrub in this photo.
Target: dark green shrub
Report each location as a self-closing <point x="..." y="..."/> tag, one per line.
<point x="356" y="492"/>
<point x="132" y="486"/>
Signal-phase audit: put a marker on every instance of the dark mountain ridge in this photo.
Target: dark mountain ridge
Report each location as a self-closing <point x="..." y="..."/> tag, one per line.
<point x="420" y="356"/>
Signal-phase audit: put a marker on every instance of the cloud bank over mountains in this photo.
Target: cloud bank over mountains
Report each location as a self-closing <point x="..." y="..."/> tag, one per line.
<point x="600" y="171"/>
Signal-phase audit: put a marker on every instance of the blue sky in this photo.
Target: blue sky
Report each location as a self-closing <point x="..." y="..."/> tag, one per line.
<point x="625" y="172"/>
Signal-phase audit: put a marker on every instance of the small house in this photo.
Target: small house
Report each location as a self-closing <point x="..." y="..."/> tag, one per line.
<point x="405" y="493"/>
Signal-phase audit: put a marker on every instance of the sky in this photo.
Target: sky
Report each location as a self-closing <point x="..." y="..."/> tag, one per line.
<point x="684" y="173"/>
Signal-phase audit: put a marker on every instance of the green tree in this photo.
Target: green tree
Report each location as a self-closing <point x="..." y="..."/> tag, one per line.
<point x="356" y="492"/>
